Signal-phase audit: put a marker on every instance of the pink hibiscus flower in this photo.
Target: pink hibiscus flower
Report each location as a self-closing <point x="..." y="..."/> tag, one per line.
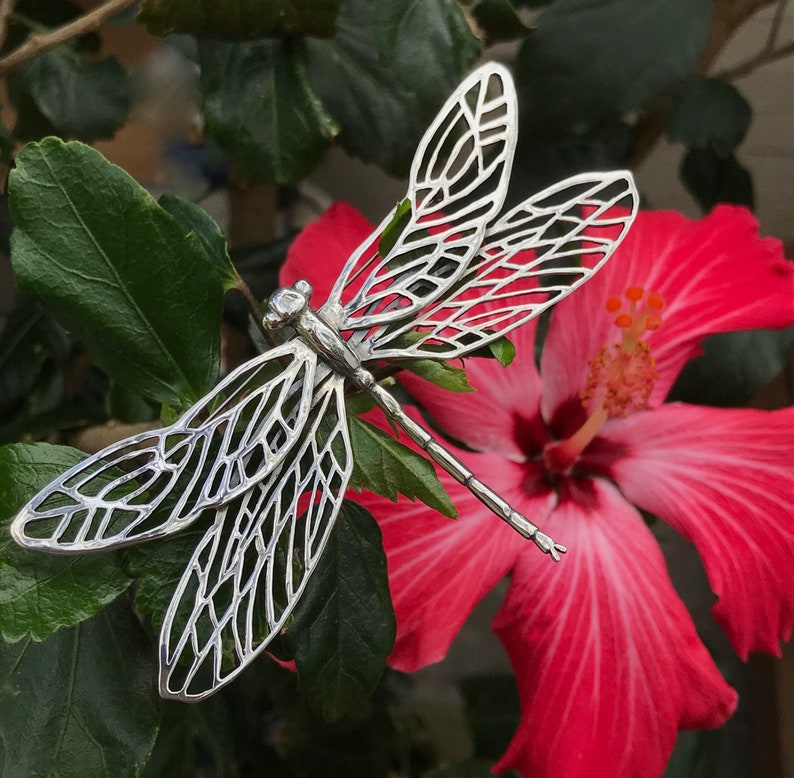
<point x="608" y="663"/>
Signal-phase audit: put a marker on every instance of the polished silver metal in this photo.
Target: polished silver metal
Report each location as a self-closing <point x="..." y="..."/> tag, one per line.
<point x="265" y="457"/>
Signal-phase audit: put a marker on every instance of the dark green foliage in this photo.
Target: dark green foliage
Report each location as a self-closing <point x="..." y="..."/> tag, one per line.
<point x="117" y="270"/>
<point x="443" y="374"/>
<point x="733" y="367"/>
<point x="81" y="704"/>
<point x="712" y="178"/>
<point x="65" y="93"/>
<point x="696" y="755"/>
<point x="240" y="19"/>
<point x="261" y="106"/>
<point x="41" y="593"/>
<point x="590" y="61"/>
<point x="381" y="109"/>
<point x="499" y="20"/>
<point x="385" y="466"/>
<point x="344" y="626"/>
<point x="710" y="112"/>
<point x="492" y="712"/>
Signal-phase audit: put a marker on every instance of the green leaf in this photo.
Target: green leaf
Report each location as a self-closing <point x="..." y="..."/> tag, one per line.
<point x="385" y="466"/>
<point x="112" y="266"/>
<point x="384" y="109"/>
<point x="40" y="593"/>
<point x="126" y="406"/>
<point x="196" y="220"/>
<point x="712" y="178"/>
<point x="590" y="61"/>
<point x="158" y="567"/>
<point x="442" y="374"/>
<point x="499" y="20"/>
<point x="261" y="107"/>
<point x="395" y="228"/>
<point x="710" y="112"/>
<point x="733" y="367"/>
<point x="79" y="97"/>
<point x="359" y="403"/>
<point x="81" y="705"/>
<point x="503" y="350"/>
<point x="28" y="342"/>
<point x="241" y="19"/>
<point x="344" y="626"/>
<point x="195" y="740"/>
<point x="429" y="44"/>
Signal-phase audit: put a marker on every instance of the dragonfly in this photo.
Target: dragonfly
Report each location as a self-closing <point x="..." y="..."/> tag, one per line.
<point x="265" y="458"/>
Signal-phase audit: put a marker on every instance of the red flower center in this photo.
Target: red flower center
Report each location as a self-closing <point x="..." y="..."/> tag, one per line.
<point x="621" y="376"/>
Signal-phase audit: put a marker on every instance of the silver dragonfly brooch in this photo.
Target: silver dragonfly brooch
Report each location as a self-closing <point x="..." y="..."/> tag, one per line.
<point x="268" y="450"/>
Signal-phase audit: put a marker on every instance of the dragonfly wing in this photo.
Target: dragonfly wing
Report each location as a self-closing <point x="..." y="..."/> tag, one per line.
<point x="457" y="186"/>
<point x="155" y="483"/>
<point x="247" y="573"/>
<point x="530" y="259"/>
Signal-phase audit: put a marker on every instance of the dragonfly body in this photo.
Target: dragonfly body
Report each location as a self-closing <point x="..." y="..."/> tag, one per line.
<point x="290" y="307"/>
<point x="264" y="459"/>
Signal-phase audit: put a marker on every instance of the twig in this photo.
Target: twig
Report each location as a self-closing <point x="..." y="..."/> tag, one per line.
<point x="254" y="309"/>
<point x="6" y="9"/>
<point x="762" y="58"/>
<point x="44" y="42"/>
<point x="768" y="53"/>
<point x="727" y="17"/>
<point x="774" y="29"/>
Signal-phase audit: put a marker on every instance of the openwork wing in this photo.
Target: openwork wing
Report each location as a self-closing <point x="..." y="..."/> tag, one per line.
<point x="530" y="259"/>
<point x="156" y="483"/>
<point x="458" y="182"/>
<point x="249" y="570"/>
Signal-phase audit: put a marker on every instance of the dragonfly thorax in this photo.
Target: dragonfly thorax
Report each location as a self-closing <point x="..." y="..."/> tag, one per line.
<point x="286" y="304"/>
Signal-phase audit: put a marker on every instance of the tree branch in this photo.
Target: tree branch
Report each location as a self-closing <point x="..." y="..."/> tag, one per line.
<point x="777" y="21"/>
<point x="44" y="42"/>
<point x="727" y="17"/>
<point x="763" y="58"/>
<point x="767" y="54"/>
<point x="6" y="9"/>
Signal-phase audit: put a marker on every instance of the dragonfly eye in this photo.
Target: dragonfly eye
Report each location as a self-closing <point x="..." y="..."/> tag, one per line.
<point x="285" y="305"/>
<point x="304" y="287"/>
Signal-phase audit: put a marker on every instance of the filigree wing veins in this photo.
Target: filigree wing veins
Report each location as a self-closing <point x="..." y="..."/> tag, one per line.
<point x="267" y="452"/>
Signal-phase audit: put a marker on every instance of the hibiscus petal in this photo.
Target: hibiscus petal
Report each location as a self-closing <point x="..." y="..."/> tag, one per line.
<point x="439" y="569"/>
<point x="715" y="275"/>
<point x="502" y="413"/>
<point x="608" y="664"/>
<point x="319" y="253"/>
<point x="724" y="479"/>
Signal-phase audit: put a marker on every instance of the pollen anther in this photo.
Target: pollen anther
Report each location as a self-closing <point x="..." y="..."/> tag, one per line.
<point x="636" y="319"/>
<point x="620" y="382"/>
<point x="624" y="320"/>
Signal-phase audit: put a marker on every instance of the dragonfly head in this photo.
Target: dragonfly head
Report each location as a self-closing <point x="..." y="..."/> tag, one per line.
<point x="286" y="304"/>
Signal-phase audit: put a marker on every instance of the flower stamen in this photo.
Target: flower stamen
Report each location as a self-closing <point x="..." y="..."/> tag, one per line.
<point x="621" y="375"/>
